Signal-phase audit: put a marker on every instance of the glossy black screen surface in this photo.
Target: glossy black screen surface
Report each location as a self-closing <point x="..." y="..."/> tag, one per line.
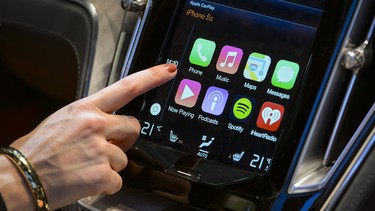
<point x="239" y="69"/>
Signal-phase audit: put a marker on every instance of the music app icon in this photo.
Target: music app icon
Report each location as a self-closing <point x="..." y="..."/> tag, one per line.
<point x="229" y="59"/>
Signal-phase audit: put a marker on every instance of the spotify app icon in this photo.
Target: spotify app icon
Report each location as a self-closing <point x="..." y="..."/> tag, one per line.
<point x="242" y="108"/>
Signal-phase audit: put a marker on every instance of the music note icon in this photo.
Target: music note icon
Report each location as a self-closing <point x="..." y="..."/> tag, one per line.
<point x="232" y="55"/>
<point x="229" y="59"/>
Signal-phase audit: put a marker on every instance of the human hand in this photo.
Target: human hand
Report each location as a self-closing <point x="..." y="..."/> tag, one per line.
<point x="78" y="150"/>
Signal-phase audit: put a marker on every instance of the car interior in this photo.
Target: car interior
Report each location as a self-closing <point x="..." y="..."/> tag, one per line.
<point x="272" y="107"/>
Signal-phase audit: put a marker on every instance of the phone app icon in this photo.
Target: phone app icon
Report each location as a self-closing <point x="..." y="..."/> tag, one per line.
<point x="202" y="52"/>
<point x="270" y="116"/>
<point x="257" y="67"/>
<point x="187" y="93"/>
<point x="229" y="59"/>
<point x="285" y="74"/>
<point x="215" y="100"/>
<point x="242" y="108"/>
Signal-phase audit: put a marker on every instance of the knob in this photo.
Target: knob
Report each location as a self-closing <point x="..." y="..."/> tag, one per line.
<point x="133" y="5"/>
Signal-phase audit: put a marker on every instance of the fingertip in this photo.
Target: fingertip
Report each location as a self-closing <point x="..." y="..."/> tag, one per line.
<point x="170" y="67"/>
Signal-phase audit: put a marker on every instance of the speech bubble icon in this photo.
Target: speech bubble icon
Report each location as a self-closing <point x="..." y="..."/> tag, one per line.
<point x="285" y="74"/>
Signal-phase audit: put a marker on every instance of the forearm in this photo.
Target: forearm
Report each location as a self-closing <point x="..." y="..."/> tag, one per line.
<point x="13" y="187"/>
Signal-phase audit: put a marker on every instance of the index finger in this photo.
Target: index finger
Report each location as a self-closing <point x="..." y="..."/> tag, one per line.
<point x="120" y="93"/>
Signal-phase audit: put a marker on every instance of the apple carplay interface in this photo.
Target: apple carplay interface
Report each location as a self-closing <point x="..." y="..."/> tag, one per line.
<point x="239" y="69"/>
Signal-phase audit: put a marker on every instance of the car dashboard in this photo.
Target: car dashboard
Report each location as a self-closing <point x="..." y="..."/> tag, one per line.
<point x="272" y="107"/>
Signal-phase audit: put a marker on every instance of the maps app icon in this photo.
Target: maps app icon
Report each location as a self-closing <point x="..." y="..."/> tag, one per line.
<point x="257" y="67"/>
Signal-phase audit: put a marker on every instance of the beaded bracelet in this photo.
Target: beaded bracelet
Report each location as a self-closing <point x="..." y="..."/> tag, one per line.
<point x="30" y="175"/>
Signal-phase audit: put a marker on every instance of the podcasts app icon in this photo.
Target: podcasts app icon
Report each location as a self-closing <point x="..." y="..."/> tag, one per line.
<point x="242" y="108"/>
<point x="215" y="100"/>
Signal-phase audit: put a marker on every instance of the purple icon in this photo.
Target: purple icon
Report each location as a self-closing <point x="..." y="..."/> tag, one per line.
<point x="215" y="100"/>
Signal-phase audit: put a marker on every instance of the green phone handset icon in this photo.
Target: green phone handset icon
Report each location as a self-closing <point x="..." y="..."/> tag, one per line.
<point x="199" y="51"/>
<point x="202" y="52"/>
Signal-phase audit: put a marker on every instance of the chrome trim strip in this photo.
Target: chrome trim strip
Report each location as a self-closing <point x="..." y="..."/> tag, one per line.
<point x="83" y="89"/>
<point x="351" y="171"/>
<point x="310" y="174"/>
<point x="340" y="119"/>
<point x="135" y="39"/>
<point x="329" y="171"/>
<point x="120" y="45"/>
<point x="357" y="64"/>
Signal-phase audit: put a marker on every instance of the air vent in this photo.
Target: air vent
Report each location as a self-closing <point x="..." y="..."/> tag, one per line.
<point x="355" y="60"/>
<point x="331" y="137"/>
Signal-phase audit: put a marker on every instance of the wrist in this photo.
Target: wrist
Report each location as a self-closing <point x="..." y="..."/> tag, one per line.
<point x="13" y="187"/>
<point x="30" y="176"/>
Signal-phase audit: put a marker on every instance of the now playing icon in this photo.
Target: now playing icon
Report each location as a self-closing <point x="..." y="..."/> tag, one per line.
<point x="187" y="93"/>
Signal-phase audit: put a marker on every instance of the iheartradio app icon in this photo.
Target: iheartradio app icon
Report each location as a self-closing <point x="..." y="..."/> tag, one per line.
<point x="270" y="116"/>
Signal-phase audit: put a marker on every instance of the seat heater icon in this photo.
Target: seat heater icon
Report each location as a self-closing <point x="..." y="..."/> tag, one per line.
<point x="237" y="156"/>
<point x="172" y="137"/>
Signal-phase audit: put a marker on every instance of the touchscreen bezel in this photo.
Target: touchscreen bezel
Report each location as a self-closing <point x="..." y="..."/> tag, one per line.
<point x="281" y="154"/>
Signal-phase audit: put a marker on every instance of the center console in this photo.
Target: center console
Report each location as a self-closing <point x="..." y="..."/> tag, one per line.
<point x="226" y="132"/>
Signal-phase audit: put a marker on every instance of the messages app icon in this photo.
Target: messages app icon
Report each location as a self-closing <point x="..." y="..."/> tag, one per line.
<point x="257" y="67"/>
<point x="285" y="74"/>
<point x="202" y="52"/>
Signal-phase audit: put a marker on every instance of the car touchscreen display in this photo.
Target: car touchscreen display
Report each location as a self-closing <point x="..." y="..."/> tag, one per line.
<point x="239" y="71"/>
